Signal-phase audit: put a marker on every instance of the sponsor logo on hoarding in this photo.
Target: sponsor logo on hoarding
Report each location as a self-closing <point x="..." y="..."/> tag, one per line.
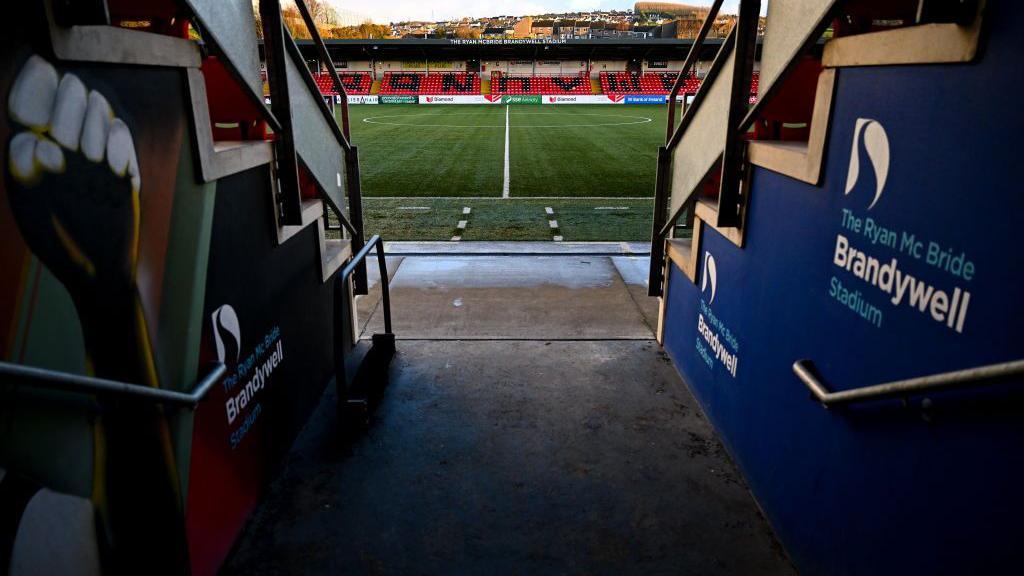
<point x="646" y="99"/>
<point x="360" y="99"/>
<point x="522" y="100"/>
<point x="398" y="100"/>
<point x="460" y="99"/>
<point x="584" y="99"/>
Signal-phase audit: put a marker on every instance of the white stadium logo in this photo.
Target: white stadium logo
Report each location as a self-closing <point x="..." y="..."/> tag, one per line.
<point x="710" y="276"/>
<point x="225" y="320"/>
<point x="876" y="143"/>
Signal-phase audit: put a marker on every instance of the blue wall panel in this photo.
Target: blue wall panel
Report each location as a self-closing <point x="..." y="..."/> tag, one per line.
<point x="880" y="488"/>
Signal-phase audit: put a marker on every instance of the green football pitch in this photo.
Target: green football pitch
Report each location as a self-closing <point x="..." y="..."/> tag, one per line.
<point x="527" y="172"/>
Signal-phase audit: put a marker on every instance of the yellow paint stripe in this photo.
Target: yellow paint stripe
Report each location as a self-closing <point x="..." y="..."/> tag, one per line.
<point x="74" y="252"/>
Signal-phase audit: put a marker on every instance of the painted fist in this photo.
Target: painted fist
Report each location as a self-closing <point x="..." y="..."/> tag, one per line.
<point x="73" y="178"/>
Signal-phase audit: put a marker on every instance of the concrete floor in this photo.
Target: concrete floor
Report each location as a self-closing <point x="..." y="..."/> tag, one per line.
<point x="531" y="426"/>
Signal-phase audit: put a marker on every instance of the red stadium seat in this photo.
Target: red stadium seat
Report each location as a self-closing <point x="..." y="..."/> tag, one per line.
<point x="356" y="83"/>
<point x="416" y="83"/>
<point x="554" y="85"/>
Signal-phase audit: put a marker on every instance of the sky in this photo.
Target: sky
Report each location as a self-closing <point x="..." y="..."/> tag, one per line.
<point x="385" y="11"/>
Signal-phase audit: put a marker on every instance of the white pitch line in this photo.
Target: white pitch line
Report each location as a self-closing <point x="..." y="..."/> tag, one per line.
<point x="505" y="187"/>
<point x="612" y="208"/>
<point x="413" y="208"/>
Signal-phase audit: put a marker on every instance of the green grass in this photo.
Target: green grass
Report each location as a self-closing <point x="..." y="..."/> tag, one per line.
<point x="598" y="150"/>
<point x="579" y="219"/>
<point x="421" y="165"/>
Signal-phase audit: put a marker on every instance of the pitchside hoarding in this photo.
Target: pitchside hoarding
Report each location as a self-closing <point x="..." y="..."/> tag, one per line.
<point x="365" y="99"/>
<point x="584" y="99"/>
<point x="474" y="99"/>
<point x="524" y="99"/>
<point x="646" y="99"/>
<point x="397" y="100"/>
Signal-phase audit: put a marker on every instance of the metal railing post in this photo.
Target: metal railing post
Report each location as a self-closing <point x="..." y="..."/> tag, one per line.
<point x="661" y="194"/>
<point x="355" y="209"/>
<point x="739" y="101"/>
<point x="289" y="201"/>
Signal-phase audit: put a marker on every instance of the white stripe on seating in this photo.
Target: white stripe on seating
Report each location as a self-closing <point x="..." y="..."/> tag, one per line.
<point x="505" y="187"/>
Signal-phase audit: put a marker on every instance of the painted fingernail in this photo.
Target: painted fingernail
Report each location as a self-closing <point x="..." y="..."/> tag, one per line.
<point x="98" y="116"/>
<point x="69" y="112"/>
<point x="31" y="99"/>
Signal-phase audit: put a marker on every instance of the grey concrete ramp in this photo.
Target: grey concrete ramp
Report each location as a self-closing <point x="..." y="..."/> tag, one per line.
<point x="498" y="457"/>
<point x="512" y="297"/>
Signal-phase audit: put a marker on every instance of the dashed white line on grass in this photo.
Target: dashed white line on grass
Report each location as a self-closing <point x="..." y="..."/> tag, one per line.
<point x="612" y="208"/>
<point x="414" y="208"/>
<point x="505" y="187"/>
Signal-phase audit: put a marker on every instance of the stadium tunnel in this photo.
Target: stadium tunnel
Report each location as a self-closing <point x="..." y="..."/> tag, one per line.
<point x="209" y="366"/>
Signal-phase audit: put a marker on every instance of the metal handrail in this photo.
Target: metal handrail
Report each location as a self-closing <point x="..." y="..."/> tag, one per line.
<point x="360" y="256"/>
<point x="17" y="375"/>
<point x="970" y="377"/>
<point x="321" y="47"/>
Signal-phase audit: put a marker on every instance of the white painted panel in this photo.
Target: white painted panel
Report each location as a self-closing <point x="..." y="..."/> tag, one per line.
<point x="704" y="141"/>
<point x="789" y="22"/>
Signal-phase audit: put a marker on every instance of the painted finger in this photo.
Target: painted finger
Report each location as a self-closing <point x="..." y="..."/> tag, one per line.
<point x="98" y="117"/>
<point x="22" y="158"/>
<point x="120" y="148"/>
<point x="49" y="157"/>
<point x="32" y="95"/>
<point x="69" y="112"/>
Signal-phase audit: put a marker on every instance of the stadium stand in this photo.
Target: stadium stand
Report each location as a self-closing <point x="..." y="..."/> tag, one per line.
<point x="656" y="83"/>
<point x="502" y="84"/>
<point x="414" y="84"/>
<point x="356" y="83"/>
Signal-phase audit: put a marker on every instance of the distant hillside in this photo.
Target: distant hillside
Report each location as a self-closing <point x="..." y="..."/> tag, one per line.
<point x="683" y="11"/>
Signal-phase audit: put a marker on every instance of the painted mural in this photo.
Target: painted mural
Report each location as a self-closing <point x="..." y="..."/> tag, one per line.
<point x="118" y="261"/>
